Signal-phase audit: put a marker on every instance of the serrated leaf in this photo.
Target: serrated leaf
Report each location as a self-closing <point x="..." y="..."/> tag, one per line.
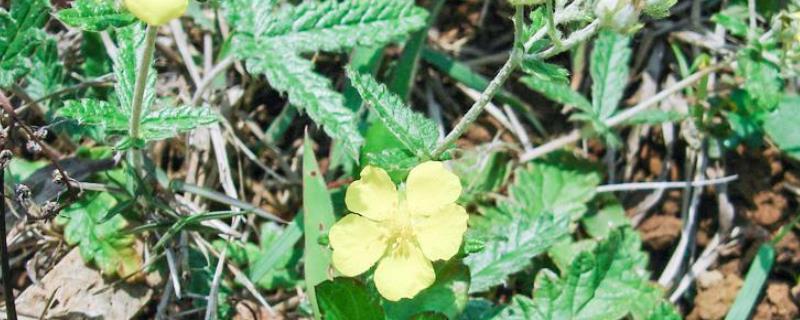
<point x="95" y="15"/>
<point x="339" y="25"/>
<point x="511" y="239"/>
<point x="654" y="116"/>
<point x="103" y="244"/>
<point x="609" y="70"/>
<point x="545" y="71"/>
<point x="761" y="79"/>
<point x="543" y="200"/>
<point x="782" y="126"/>
<point x="287" y="72"/>
<point x="396" y="162"/>
<point x="167" y="122"/>
<point x="49" y="75"/>
<point x="347" y="299"/>
<point x="97" y="113"/>
<point x="448" y="295"/>
<point x="558" y="91"/>
<point x="20" y="35"/>
<point x="609" y="283"/>
<point x="416" y="132"/>
<point x="658" y="8"/>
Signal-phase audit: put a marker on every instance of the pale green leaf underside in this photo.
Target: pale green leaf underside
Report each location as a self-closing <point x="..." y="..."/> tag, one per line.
<point x="609" y="70"/>
<point x="339" y="25"/>
<point x="782" y="126"/>
<point x="417" y="133"/>
<point x="94" y="15"/>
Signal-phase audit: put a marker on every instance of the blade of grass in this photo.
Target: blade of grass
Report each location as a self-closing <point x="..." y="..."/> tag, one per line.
<point x="757" y="275"/>
<point x="284" y="243"/>
<point x="462" y="73"/>
<point x="318" y="219"/>
<point x="753" y="283"/>
<point x="407" y="66"/>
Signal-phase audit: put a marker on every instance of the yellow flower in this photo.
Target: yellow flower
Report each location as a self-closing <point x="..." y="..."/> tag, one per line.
<point x="157" y="12"/>
<point x="402" y="231"/>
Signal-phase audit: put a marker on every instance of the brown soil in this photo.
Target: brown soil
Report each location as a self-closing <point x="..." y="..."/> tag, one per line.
<point x="661" y="231"/>
<point x="777" y="304"/>
<point x="715" y="296"/>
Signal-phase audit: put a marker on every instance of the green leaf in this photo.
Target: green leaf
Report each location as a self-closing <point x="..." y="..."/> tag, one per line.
<point x="545" y="71"/>
<point x="416" y="132"/>
<point x="479" y="309"/>
<point x="97" y="113"/>
<point x="168" y="122"/>
<point x="347" y="299"/>
<point x="558" y="91"/>
<point x="609" y="283"/>
<point x="609" y="70"/>
<point x="482" y="170"/>
<point x="20" y="35"/>
<point x="318" y="219"/>
<point x="289" y="73"/>
<point x="734" y="19"/>
<point x="654" y="116"/>
<point x="201" y="275"/>
<point x="283" y="273"/>
<point x="762" y="79"/>
<point x="658" y="9"/>
<point x="543" y="200"/>
<point x="261" y="268"/>
<point x="397" y="162"/>
<point x="430" y="315"/>
<point x="49" y="75"/>
<point x="664" y="311"/>
<point x="782" y="126"/>
<point x="95" y="15"/>
<point x="605" y="214"/>
<point x="103" y="244"/>
<point x="448" y="295"/>
<point x="560" y="184"/>
<point x="338" y="25"/>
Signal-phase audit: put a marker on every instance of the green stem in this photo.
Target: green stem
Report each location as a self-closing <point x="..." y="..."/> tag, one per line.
<point x="494" y="86"/>
<point x="138" y="96"/>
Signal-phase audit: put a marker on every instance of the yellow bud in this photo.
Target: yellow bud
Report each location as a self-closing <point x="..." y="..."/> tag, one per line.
<point x="157" y="12"/>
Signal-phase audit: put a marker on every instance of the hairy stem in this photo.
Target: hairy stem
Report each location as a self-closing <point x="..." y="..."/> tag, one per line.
<point x="494" y="86"/>
<point x="138" y="95"/>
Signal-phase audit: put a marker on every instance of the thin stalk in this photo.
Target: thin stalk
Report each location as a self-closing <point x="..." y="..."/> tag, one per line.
<point x="494" y="86"/>
<point x="138" y="95"/>
<point x="8" y="290"/>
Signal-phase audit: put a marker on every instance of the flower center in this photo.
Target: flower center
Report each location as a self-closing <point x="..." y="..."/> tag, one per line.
<point x="401" y="230"/>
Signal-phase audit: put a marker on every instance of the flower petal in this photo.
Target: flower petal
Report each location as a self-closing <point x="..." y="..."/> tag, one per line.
<point x="403" y="273"/>
<point x="430" y="186"/>
<point x="373" y="196"/>
<point x="357" y="244"/>
<point x="440" y="234"/>
<point x="157" y="12"/>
